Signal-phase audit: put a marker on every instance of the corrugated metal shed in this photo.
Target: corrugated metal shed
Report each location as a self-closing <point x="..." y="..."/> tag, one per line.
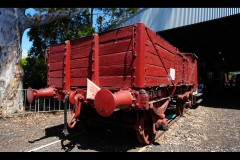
<point x="159" y="19"/>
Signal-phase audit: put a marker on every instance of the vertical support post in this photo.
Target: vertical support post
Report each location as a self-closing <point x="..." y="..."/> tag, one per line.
<point x="48" y="51"/>
<point x="140" y="40"/>
<point x="49" y="104"/>
<point x="25" y="98"/>
<point x="59" y="104"/>
<point x="66" y="73"/>
<point x="95" y="59"/>
<point x="38" y="105"/>
<point x="43" y="104"/>
<point x="65" y="130"/>
<point x="197" y="73"/>
<point x="54" y="105"/>
<point x="35" y="105"/>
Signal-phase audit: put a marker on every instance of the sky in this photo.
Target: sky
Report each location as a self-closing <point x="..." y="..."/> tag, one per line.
<point x="26" y="44"/>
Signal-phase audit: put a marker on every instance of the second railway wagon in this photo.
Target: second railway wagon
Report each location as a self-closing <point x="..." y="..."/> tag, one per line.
<point x="129" y="75"/>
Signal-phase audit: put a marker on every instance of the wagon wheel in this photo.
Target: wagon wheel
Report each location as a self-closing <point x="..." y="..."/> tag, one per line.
<point x="144" y="128"/>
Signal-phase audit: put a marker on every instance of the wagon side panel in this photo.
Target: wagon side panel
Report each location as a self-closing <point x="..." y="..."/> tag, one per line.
<point x="160" y="58"/>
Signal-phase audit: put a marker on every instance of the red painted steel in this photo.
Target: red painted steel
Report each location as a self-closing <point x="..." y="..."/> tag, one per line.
<point x="106" y="102"/>
<point x="46" y="92"/>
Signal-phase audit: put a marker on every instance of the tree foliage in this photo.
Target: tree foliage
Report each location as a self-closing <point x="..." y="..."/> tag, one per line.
<point x="58" y="31"/>
<point x="112" y="16"/>
<point x="35" y="71"/>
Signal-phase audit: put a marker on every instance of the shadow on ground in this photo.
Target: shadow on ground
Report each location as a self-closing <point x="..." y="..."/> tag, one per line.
<point x="101" y="137"/>
<point x="104" y="137"/>
<point x="227" y="98"/>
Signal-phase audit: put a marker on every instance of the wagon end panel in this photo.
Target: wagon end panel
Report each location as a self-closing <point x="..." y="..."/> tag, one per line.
<point x="84" y="59"/>
<point x="56" y="65"/>
<point x="116" y="57"/>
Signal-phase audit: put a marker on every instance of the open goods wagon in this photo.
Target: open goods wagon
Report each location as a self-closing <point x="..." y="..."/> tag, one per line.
<point x="129" y="75"/>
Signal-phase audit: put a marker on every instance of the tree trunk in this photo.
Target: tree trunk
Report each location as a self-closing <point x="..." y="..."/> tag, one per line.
<point x="13" y="23"/>
<point x="10" y="61"/>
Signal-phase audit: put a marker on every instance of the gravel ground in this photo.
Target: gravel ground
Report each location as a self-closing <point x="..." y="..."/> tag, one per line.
<point x="214" y="126"/>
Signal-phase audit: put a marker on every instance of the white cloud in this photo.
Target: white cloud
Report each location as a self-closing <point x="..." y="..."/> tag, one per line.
<point x="24" y="53"/>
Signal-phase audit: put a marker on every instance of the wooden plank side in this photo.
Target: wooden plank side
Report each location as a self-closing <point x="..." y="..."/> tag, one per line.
<point x="178" y="69"/>
<point x="84" y="41"/>
<point x="123" y="58"/>
<point x="56" y="57"/>
<point x="179" y="77"/>
<point x="156" y="81"/>
<point x="57" y="82"/>
<point x="114" y="35"/>
<point x="152" y="56"/>
<point x="185" y="71"/>
<point x="80" y="63"/>
<point x="161" y="42"/>
<point x="193" y="74"/>
<point x="57" y="49"/>
<point x="179" y="60"/>
<point x="150" y="48"/>
<point x="81" y="52"/>
<point x="168" y="64"/>
<point x="179" y="73"/>
<point x="115" y="47"/>
<point x="155" y="71"/>
<point x="55" y="74"/>
<point x="165" y="54"/>
<point x="153" y="59"/>
<point x="78" y="82"/>
<point x="116" y="70"/>
<point x="164" y="44"/>
<point x="80" y="73"/>
<point x="56" y="66"/>
<point x="115" y="81"/>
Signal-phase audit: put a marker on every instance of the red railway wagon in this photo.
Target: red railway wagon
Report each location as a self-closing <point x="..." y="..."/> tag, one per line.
<point x="129" y="73"/>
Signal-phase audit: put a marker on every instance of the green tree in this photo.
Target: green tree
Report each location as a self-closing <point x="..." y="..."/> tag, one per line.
<point x="112" y="16"/>
<point x="80" y="25"/>
<point x="35" y="71"/>
<point x="58" y="31"/>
